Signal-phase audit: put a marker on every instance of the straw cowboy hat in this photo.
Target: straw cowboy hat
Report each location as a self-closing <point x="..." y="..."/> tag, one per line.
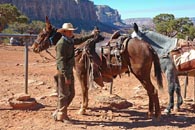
<point x="68" y="26"/>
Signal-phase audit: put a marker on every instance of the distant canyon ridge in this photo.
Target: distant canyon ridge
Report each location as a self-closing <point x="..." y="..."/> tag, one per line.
<point x="84" y="14"/>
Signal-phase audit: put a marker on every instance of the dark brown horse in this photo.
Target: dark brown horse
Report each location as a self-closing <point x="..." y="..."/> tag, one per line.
<point x="137" y="58"/>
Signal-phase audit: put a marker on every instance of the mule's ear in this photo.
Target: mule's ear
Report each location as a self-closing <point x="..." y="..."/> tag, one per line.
<point x="47" y="23"/>
<point x="135" y="27"/>
<point x="47" y="20"/>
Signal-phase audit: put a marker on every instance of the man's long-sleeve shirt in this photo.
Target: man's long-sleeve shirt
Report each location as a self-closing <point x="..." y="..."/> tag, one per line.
<point x="65" y="54"/>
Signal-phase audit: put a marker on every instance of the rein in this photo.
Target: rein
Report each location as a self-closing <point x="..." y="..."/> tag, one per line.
<point x="48" y="35"/>
<point x="45" y="58"/>
<point x="50" y="54"/>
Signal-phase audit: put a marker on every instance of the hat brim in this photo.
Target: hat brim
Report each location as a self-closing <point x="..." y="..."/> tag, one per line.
<point x="70" y="29"/>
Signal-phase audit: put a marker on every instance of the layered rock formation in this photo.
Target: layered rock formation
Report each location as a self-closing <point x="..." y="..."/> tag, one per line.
<point x="56" y="9"/>
<point x="108" y="15"/>
<point x="82" y="13"/>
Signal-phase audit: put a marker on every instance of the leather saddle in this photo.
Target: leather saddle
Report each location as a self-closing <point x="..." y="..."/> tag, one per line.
<point x="104" y="49"/>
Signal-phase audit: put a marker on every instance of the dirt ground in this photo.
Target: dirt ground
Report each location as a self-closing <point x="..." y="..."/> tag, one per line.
<point x="98" y="117"/>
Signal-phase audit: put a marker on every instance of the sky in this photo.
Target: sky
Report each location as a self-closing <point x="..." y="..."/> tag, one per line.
<point x="150" y="8"/>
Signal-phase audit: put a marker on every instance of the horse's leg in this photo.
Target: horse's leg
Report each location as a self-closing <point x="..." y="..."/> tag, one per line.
<point x="84" y="104"/>
<point x="171" y="87"/>
<point x="151" y="103"/>
<point x="153" y="100"/>
<point x="168" y="68"/>
<point x="157" y="104"/>
<point x="178" y="92"/>
<point x="152" y="94"/>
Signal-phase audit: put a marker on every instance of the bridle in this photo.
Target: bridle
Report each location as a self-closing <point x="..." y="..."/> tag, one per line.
<point x="45" y="38"/>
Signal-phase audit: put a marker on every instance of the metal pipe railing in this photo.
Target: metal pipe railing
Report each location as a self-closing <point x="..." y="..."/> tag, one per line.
<point x="25" y="55"/>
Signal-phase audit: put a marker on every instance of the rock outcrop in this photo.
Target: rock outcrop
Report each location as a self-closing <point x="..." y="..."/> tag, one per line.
<point x="82" y="13"/>
<point x="56" y="9"/>
<point x="108" y="15"/>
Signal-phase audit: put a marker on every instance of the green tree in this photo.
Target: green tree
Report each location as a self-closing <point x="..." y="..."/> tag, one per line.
<point x="192" y="32"/>
<point x="184" y="25"/>
<point x="162" y="22"/>
<point x="22" y="19"/>
<point x="15" y="22"/>
<point x="19" y="27"/>
<point x="163" y="18"/>
<point x="36" y="26"/>
<point x="8" y="14"/>
<point x="167" y="24"/>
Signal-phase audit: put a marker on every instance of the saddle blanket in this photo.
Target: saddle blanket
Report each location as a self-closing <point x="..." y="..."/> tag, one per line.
<point x="184" y="59"/>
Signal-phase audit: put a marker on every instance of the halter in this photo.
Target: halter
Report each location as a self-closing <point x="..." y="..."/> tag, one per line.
<point x="47" y="35"/>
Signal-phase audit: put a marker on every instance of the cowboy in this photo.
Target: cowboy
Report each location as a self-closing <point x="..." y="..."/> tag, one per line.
<point x="65" y="62"/>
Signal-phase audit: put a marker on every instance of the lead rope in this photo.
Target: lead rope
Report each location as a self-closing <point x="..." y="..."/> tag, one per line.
<point x="90" y="71"/>
<point x="50" y="54"/>
<point x="45" y="58"/>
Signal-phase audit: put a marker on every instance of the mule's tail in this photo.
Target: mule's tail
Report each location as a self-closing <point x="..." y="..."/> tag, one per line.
<point x="157" y="69"/>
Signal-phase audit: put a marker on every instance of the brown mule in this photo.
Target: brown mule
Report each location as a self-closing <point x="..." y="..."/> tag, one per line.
<point x="137" y="58"/>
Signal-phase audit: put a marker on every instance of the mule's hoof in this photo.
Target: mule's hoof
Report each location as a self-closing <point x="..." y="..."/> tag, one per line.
<point x="157" y="119"/>
<point x="167" y="112"/>
<point x="150" y="114"/>
<point x="81" y="112"/>
<point x="176" y="109"/>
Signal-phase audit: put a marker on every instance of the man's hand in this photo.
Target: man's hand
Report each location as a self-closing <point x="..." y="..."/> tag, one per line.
<point x="95" y="31"/>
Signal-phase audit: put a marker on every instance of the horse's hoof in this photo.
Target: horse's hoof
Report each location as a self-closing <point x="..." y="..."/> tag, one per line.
<point x="180" y="102"/>
<point x="157" y="119"/>
<point x="81" y="112"/>
<point x="150" y="114"/>
<point x="176" y="109"/>
<point x="167" y="111"/>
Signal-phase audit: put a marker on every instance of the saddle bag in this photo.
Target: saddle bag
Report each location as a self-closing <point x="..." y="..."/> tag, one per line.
<point x="184" y="58"/>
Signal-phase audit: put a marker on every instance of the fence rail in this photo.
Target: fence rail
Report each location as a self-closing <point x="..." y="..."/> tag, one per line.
<point x="18" y="35"/>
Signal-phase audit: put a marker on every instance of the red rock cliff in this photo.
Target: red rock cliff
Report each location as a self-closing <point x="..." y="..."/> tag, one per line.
<point x="56" y="9"/>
